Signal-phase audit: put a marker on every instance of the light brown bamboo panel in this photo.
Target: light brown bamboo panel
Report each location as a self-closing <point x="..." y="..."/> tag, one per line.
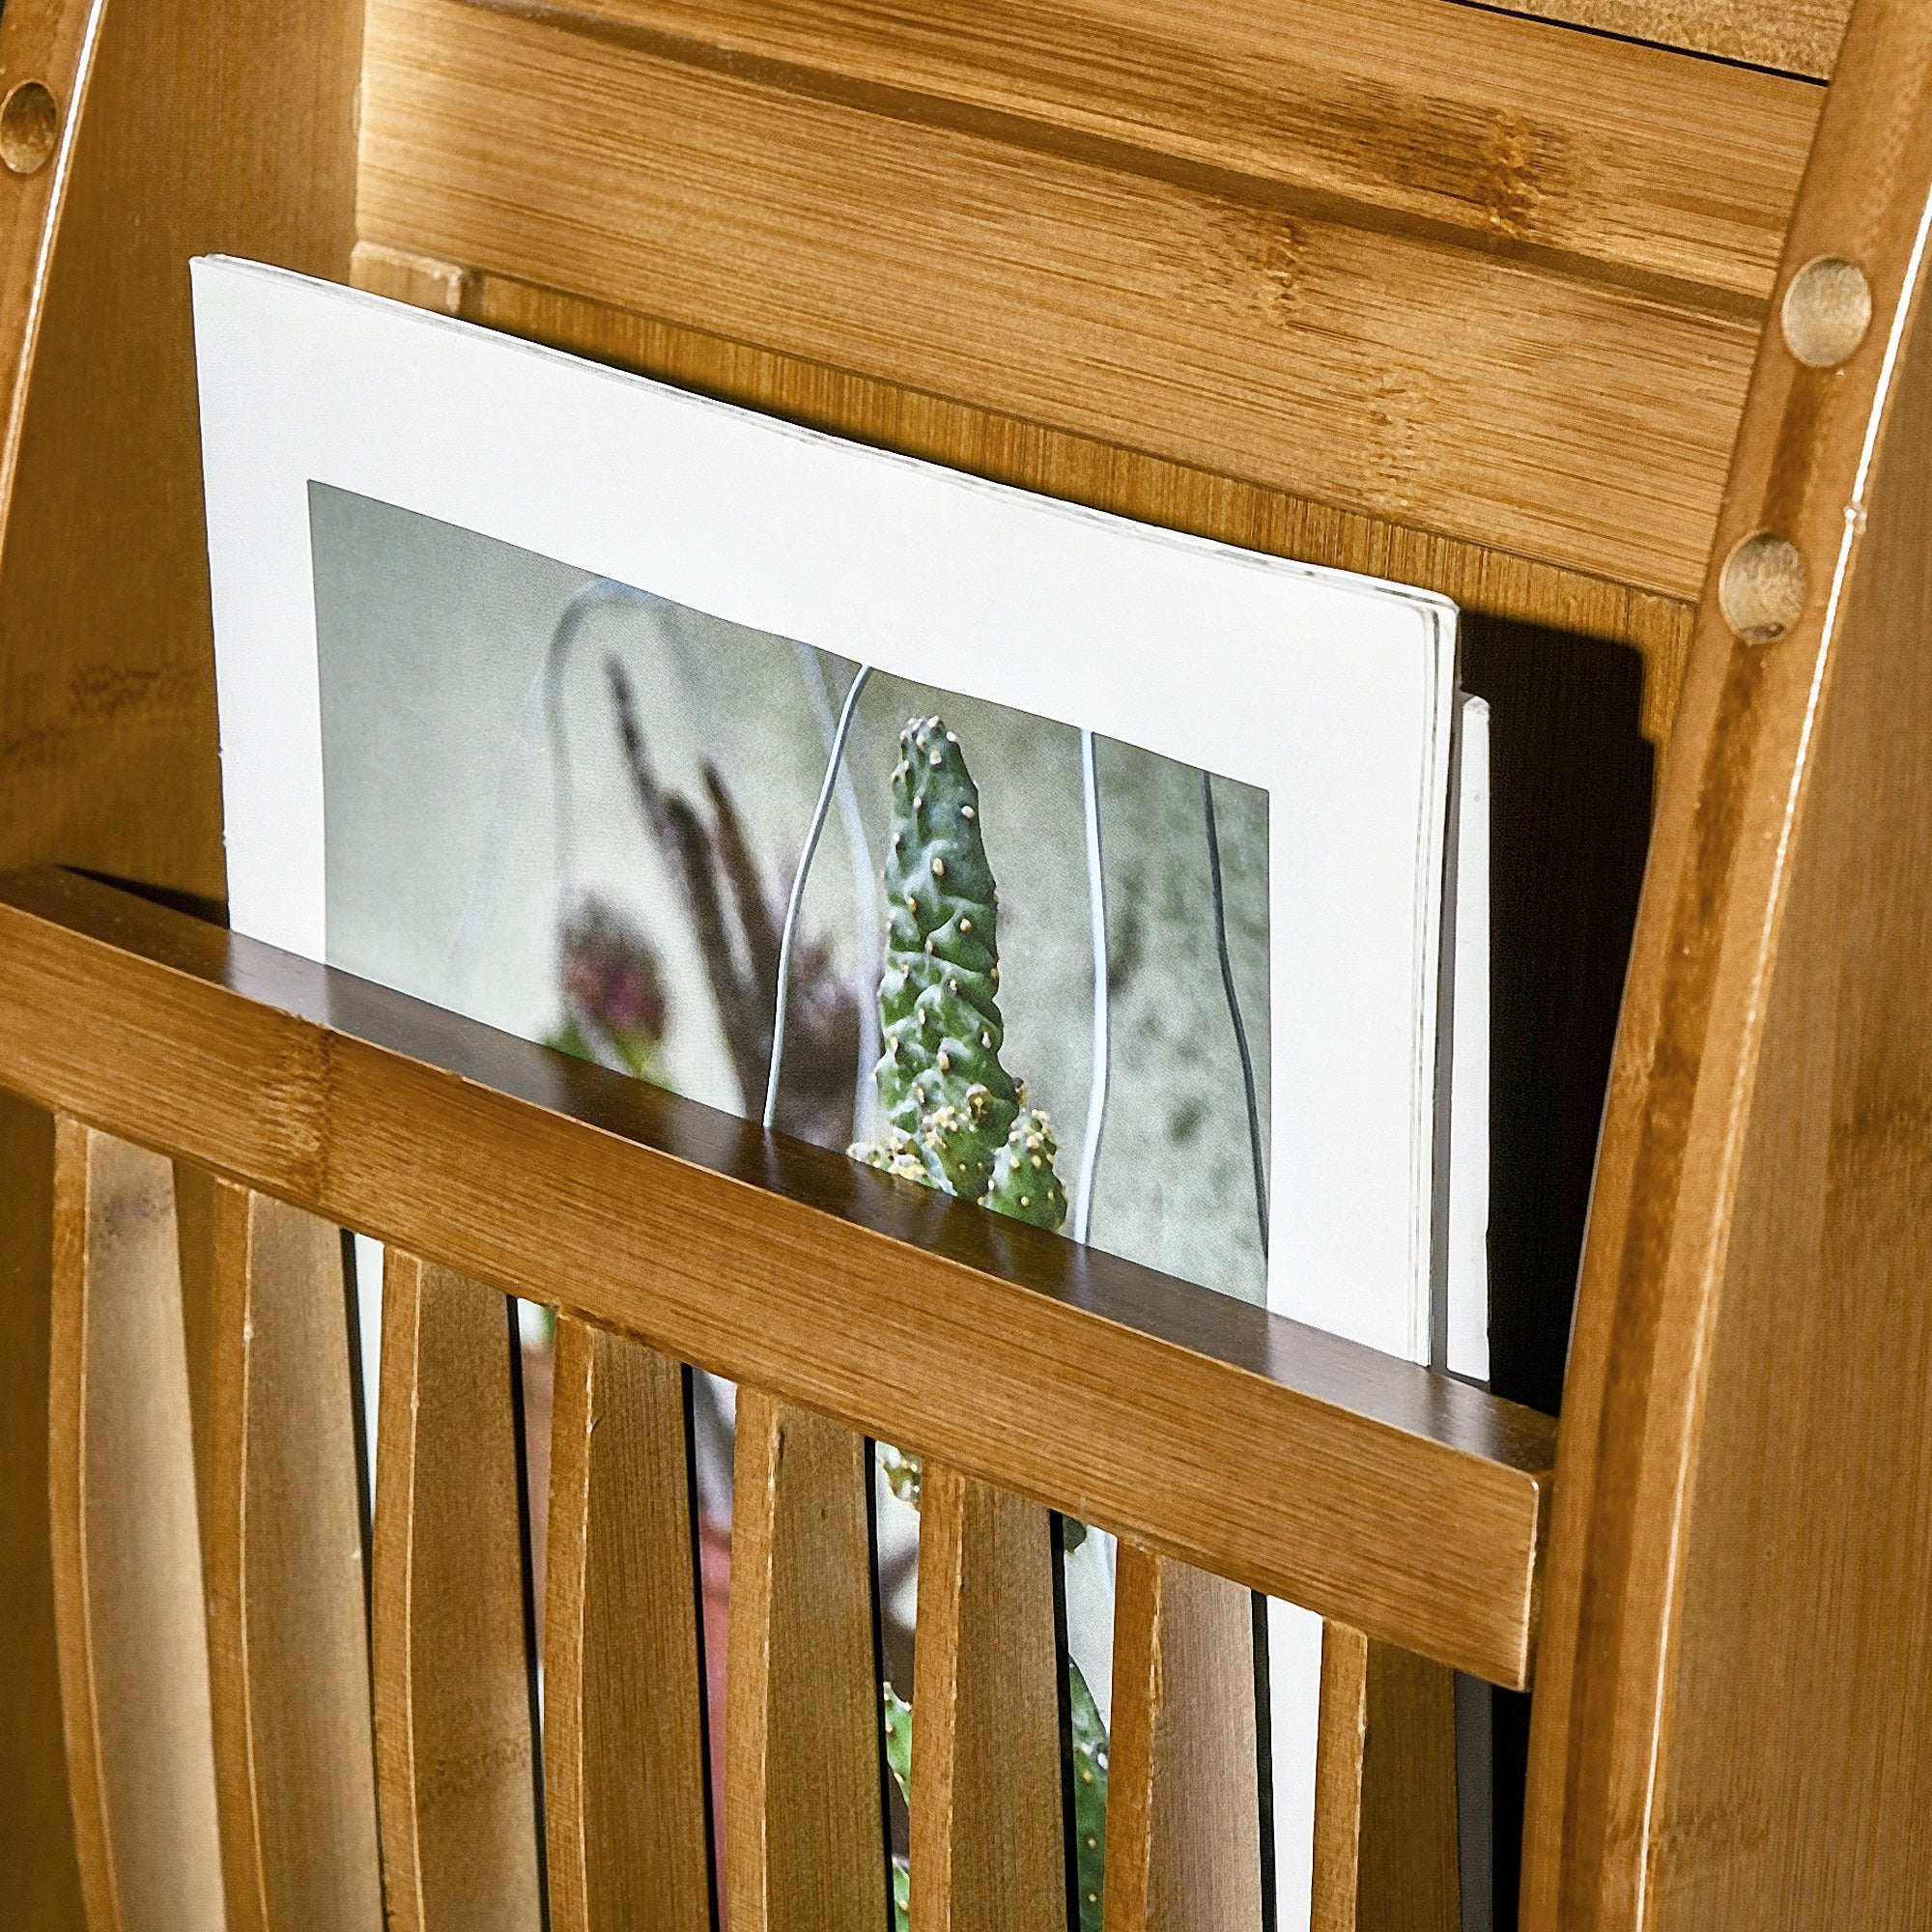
<point x="1733" y="1713"/>
<point x="1499" y="359"/>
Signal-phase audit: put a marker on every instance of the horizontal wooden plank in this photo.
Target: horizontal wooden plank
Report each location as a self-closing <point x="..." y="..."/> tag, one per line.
<point x="1486" y="584"/>
<point x="1363" y="1486"/>
<point x="1413" y="356"/>
<point x="1410" y="117"/>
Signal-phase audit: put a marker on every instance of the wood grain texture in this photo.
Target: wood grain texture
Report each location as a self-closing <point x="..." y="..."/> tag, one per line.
<point x="805" y="1847"/>
<point x="1183" y="1813"/>
<point x="1800" y="37"/>
<point x="288" y="1600"/>
<point x="184" y="125"/>
<point x="194" y="1243"/>
<point x="1340" y="1735"/>
<point x="625" y="1750"/>
<point x="1445" y="124"/>
<point x="1386" y="1852"/>
<point x="133" y="1654"/>
<point x="53" y="44"/>
<point x="988" y="1846"/>
<point x="454" y="1748"/>
<point x="1733" y="1714"/>
<point x="1410" y="1499"/>
<point x="1162" y="298"/>
<point x="1488" y="584"/>
<point x="210" y="125"/>
<point x="40" y="1871"/>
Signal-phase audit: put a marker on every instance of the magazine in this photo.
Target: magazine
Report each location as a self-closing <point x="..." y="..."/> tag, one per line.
<point x="1123" y="882"/>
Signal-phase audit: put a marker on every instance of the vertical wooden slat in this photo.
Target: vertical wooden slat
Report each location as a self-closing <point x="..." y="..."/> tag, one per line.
<point x="454" y="1750"/>
<point x="1386" y="1852"/>
<point x="288" y="1632"/>
<point x="39" y="1874"/>
<point x="1183" y="1816"/>
<point x="989" y="1849"/>
<point x="128" y="1581"/>
<point x="624" y="1744"/>
<point x="803" y="1805"/>
<point x="1340" y="1735"/>
<point x="194" y="1244"/>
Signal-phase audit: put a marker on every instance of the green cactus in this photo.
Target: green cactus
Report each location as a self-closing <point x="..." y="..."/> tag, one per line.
<point x="898" y="1761"/>
<point x="957" y="1121"/>
<point x="940" y="1080"/>
<point x="898" y="1739"/>
<point x="901" y="1473"/>
<point x="1090" y="1796"/>
<point x="1024" y="1183"/>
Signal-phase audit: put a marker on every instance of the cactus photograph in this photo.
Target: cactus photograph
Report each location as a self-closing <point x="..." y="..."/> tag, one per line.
<point x="985" y="953"/>
<point x="1026" y="860"/>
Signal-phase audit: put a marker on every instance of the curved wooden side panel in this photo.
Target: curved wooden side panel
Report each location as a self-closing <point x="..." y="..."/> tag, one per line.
<point x="803" y="1797"/>
<point x="454" y="1740"/>
<point x="210" y="125"/>
<point x="128" y="1586"/>
<point x="624" y="1742"/>
<point x="47" y="57"/>
<point x="1733" y="1716"/>
<point x="1183" y="1813"/>
<point x="989" y="1849"/>
<point x="288" y="1608"/>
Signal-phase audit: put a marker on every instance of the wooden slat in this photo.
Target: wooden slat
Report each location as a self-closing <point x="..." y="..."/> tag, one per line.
<point x="1733" y="1714"/>
<point x="989" y="1849"/>
<point x="1183" y="1813"/>
<point x="455" y="1752"/>
<point x="288" y="1601"/>
<point x="1567" y="416"/>
<point x="624" y="1732"/>
<point x="194" y="1241"/>
<point x="1340" y="1735"/>
<point x="1387" y="1856"/>
<point x="804" y="1797"/>
<point x="1493" y="588"/>
<point x="1436" y="121"/>
<point x="1411" y="1500"/>
<point x="127" y="1587"/>
<point x="38" y="1864"/>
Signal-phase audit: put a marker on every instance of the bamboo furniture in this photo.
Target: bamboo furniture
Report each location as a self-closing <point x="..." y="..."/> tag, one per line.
<point x="1605" y="323"/>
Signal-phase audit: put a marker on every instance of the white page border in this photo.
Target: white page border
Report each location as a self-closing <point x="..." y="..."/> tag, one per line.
<point x="907" y="565"/>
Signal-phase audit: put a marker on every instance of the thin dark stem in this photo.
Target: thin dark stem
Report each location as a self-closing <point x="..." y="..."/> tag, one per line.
<point x="1235" y="1010"/>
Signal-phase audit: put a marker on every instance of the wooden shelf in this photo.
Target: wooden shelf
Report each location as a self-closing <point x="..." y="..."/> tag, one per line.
<point x="1408" y="1503"/>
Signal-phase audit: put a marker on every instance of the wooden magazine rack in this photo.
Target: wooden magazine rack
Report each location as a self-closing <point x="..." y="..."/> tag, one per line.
<point x="1525" y="310"/>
